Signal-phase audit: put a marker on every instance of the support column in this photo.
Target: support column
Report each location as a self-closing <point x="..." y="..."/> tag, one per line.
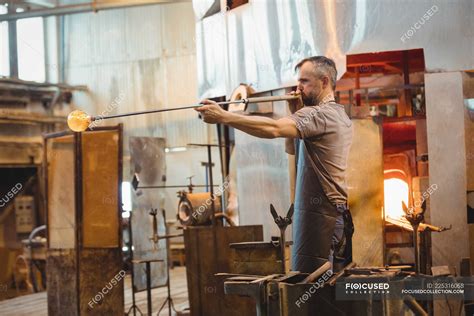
<point x="13" y="47"/>
<point x="447" y="166"/>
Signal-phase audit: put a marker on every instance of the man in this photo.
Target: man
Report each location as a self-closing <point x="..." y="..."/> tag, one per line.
<point x="322" y="226"/>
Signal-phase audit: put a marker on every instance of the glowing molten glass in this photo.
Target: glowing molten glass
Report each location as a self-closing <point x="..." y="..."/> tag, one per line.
<point x="78" y="121"/>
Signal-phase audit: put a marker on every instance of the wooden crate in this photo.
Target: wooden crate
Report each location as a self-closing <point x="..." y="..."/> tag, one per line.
<point x="207" y="253"/>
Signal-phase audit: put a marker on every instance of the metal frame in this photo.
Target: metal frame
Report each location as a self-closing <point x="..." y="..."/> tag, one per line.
<point x="78" y="190"/>
<point x="45" y="170"/>
<point x="78" y="212"/>
<point x="24" y="84"/>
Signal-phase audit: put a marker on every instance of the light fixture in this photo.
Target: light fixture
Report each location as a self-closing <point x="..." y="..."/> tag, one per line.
<point x="174" y="149"/>
<point x="126" y="199"/>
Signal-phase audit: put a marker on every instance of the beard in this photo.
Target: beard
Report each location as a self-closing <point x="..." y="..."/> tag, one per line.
<point x="309" y="99"/>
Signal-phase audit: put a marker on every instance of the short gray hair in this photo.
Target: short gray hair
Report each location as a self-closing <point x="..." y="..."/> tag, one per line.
<point x="324" y="66"/>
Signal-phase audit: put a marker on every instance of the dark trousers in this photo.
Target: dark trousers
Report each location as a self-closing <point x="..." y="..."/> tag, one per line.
<point x="341" y="246"/>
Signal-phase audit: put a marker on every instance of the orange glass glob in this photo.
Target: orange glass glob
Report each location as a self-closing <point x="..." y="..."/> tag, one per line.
<point x="78" y="121"/>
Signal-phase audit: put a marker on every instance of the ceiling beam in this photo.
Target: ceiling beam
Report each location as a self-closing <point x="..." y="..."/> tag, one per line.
<point x="40" y="3"/>
<point x="83" y="8"/>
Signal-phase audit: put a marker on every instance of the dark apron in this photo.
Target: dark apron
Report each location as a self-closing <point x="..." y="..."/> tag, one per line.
<point x="314" y="218"/>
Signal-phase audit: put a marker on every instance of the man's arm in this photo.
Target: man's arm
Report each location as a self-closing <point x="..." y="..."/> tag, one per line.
<point x="262" y="127"/>
<point x="258" y="126"/>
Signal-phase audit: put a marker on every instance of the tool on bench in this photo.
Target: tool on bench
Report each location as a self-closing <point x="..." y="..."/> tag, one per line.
<point x="282" y="223"/>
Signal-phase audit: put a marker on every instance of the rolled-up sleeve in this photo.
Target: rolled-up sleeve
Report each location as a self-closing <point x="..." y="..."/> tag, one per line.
<point x="310" y="121"/>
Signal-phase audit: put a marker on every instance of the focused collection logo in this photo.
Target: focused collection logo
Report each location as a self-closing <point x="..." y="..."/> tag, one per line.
<point x="367" y="288"/>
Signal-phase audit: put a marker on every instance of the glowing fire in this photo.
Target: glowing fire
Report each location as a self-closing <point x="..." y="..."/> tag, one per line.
<point x="395" y="191"/>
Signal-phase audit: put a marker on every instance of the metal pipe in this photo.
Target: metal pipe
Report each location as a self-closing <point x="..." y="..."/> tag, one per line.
<point x="174" y="186"/>
<point x="148" y="288"/>
<point x="211" y="189"/>
<point x="79" y="121"/>
<point x="83" y="8"/>
<point x="12" y="45"/>
<point x="30" y="245"/>
<point x="245" y="101"/>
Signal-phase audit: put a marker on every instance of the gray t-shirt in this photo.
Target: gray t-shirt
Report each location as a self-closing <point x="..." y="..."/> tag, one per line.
<point x="327" y="131"/>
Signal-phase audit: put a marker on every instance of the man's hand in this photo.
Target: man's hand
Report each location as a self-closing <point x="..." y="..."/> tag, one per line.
<point x="296" y="104"/>
<point x="259" y="126"/>
<point x="211" y="112"/>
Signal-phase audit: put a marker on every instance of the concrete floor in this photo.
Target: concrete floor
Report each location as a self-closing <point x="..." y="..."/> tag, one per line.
<point x="36" y="304"/>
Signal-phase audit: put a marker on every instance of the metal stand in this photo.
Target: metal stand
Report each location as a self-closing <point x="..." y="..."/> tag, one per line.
<point x="415" y="218"/>
<point x="169" y="299"/>
<point x="190" y="186"/>
<point x="148" y="281"/>
<point x="134" y="306"/>
<point x="209" y="166"/>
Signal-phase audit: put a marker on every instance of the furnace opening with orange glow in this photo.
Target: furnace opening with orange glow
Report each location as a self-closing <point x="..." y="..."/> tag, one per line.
<point x="396" y="191"/>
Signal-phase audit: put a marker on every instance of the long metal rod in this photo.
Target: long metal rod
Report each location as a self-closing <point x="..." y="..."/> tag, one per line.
<point x="282" y="249"/>
<point x="134" y="306"/>
<point x="169" y="299"/>
<point x="82" y="8"/>
<point x="211" y="187"/>
<point x="148" y="288"/>
<point x="174" y="186"/>
<point x="245" y="101"/>
<point x="417" y="249"/>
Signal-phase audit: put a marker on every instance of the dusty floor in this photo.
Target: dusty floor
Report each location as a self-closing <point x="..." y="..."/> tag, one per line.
<point x="36" y="304"/>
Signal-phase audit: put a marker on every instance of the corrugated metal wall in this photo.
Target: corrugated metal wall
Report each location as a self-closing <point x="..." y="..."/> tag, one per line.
<point x="137" y="59"/>
<point x="140" y="59"/>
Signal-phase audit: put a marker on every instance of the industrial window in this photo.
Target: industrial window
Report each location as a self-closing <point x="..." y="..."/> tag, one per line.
<point x="4" y="53"/>
<point x="30" y="41"/>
